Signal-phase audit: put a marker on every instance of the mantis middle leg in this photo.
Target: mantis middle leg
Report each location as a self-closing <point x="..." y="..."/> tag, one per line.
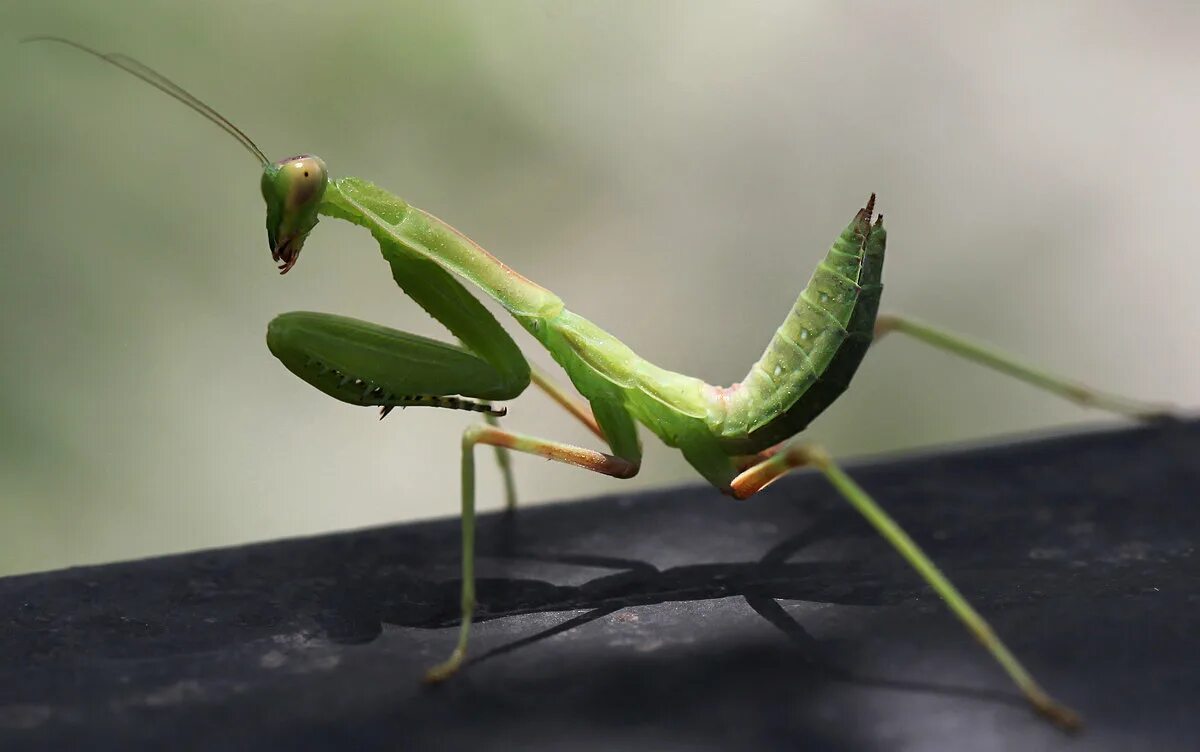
<point x="587" y="459"/>
<point x="797" y="454"/>
<point x="562" y="397"/>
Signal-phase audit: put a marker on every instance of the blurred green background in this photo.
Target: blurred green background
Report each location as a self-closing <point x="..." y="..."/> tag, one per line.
<point x="673" y="170"/>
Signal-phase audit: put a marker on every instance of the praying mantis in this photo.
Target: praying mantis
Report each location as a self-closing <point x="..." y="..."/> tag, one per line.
<point x="740" y="438"/>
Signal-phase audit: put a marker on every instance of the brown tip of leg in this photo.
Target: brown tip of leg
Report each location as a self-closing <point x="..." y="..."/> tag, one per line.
<point x="1063" y="717"/>
<point x="869" y="209"/>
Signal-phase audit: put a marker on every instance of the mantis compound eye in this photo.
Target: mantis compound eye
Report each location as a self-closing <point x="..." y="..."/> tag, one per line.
<point x="304" y="180"/>
<point x="293" y="189"/>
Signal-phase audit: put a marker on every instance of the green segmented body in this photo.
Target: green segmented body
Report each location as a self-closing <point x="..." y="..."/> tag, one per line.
<point x="815" y="351"/>
<point x="818" y="347"/>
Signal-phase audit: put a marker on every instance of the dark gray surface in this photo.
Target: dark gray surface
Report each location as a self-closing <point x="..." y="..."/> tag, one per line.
<point x="661" y="621"/>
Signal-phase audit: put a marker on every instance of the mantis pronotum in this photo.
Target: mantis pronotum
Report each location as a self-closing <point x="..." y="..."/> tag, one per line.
<point x="740" y="438"/>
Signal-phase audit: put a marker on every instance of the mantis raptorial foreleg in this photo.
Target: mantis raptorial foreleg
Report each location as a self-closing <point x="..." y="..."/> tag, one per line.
<point x="799" y="454"/>
<point x="986" y="356"/>
<point x="588" y="459"/>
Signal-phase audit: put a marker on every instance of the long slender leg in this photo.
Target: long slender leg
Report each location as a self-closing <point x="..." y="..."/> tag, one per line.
<point x="744" y="462"/>
<point x="569" y="402"/>
<point x="506" y="471"/>
<point x="797" y="454"/>
<point x="1079" y="393"/>
<point x="588" y="459"/>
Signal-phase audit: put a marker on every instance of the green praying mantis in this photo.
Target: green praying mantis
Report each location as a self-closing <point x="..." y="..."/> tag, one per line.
<point x="740" y="438"/>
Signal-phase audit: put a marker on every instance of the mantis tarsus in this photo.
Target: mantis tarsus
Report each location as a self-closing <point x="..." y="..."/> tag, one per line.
<point x="740" y="438"/>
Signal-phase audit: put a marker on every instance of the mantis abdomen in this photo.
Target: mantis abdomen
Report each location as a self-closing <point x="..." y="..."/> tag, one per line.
<point x="816" y="350"/>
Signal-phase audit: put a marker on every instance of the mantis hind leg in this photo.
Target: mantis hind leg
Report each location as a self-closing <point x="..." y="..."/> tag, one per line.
<point x="587" y="459"/>
<point x="986" y="356"/>
<point x="796" y="454"/>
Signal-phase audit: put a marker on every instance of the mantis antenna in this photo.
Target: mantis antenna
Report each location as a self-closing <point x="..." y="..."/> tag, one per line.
<point x="168" y="87"/>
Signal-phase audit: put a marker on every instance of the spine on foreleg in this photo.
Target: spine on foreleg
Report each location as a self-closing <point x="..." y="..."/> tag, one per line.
<point x="815" y="352"/>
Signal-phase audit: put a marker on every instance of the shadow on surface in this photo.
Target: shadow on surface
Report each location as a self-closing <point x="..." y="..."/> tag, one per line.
<point x="623" y="622"/>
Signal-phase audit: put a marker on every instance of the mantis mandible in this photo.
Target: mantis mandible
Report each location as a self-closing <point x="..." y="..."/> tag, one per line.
<point x="740" y="438"/>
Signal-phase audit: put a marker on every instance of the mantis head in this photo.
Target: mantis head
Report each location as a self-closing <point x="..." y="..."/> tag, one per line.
<point x="293" y="189"/>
